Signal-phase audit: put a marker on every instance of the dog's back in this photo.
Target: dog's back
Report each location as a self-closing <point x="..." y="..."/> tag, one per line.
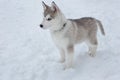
<point x="84" y="28"/>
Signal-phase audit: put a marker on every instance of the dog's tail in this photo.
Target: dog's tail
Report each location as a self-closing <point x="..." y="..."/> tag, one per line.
<point x="100" y="26"/>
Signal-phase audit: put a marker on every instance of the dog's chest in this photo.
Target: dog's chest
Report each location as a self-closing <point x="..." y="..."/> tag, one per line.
<point x="59" y="39"/>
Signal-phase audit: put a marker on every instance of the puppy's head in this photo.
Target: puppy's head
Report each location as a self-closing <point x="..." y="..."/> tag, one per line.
<point x="51" y="16"/>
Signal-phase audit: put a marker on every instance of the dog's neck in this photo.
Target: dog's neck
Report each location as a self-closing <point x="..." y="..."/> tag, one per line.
<point x="62" y="28"/>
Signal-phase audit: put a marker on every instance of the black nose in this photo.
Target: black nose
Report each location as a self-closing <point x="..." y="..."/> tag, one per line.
<point x="41" y="25"/>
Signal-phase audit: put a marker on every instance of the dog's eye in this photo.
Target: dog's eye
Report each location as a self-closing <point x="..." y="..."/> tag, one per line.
<point x="49" y="19"/>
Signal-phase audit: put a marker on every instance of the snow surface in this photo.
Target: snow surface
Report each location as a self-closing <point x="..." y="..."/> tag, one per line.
<point x="28" y="53"/>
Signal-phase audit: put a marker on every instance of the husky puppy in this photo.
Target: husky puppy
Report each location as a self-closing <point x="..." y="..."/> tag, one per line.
<point x="68" y="32"/>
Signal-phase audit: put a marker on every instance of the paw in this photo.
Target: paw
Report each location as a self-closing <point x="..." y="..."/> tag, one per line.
<point x="89" y="52"/>
<point x="66" y="66"/>
<point x="62" y="60"/>
<point x="92" y="54"/>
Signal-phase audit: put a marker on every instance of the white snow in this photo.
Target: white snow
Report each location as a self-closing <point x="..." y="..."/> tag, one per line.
<point x="28" y="53"/>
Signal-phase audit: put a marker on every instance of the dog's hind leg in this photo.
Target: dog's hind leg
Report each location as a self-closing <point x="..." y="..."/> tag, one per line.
<point x="92" y="45"/>
<point x="93" y="49"/>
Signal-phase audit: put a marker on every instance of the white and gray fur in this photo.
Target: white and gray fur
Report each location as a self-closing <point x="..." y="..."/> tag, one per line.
<point x="68" y="32"/>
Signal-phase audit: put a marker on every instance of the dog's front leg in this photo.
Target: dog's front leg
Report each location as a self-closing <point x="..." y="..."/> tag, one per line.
<point x="62" y="55"/>
<point x="69" y="56"/>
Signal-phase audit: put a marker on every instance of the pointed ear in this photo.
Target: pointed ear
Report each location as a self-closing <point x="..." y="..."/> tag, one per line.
<point x="54" y="7"/>
<point x="44" y="5"/>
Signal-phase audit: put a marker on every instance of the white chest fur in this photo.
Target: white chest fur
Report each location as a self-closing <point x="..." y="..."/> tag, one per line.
<point x="59" y="39"/>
